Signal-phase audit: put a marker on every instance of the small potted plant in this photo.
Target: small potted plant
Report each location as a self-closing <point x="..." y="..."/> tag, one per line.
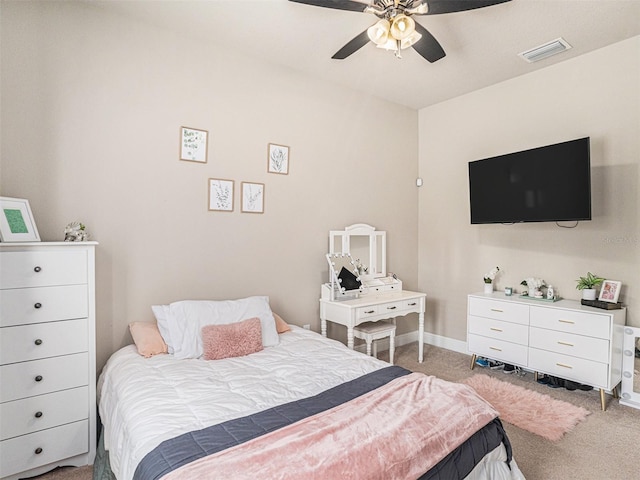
<point x="588" y="285"/>
<point x="533" y="285"/>
<point x="489" y="278"/>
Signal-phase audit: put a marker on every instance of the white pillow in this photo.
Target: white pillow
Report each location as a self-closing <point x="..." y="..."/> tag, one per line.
<point x="161" y="312"/>
<point x="186" y="319"/>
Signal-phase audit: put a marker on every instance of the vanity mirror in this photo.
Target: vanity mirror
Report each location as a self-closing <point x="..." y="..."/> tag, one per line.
<point x="631" y="368"/>
<point x="366" y="245"/>
<point x="345" y="278"/>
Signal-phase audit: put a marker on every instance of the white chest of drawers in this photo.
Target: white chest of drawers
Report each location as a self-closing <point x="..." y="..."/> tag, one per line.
<point x="564" y="339"/>
<point x="47" y="356"/>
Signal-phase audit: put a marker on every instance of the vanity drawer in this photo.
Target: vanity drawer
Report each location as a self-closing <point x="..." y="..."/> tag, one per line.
<point x="507" y="311"/>
<point x="581" y="323"/>
<point x="579" y="370"/>
<point x="20" y="380"/>
<point x="42" y="340"/>
<point x="498" y="349"/>
<point x="44" y="304"/>
<point x="580" y="346"/>
<point x="509" y="332"/>
<point x="42" y="268"/>
<point x="368" y="311"/>
<point x="40" y="448"/>
<point x="33" y="414"/>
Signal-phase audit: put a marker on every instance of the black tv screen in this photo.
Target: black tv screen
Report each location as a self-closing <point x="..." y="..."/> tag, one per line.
<point x="544" y="184"/>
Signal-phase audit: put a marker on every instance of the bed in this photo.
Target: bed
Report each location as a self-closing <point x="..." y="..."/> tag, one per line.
<point x="304" y="407"/>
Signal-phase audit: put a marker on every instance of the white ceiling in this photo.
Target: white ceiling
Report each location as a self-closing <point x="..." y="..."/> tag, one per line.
<point x="482" y="45"/>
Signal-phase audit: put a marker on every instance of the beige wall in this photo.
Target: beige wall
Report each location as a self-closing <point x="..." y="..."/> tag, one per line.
<point x="594" y="95"/>
<point x="91" y="110"/>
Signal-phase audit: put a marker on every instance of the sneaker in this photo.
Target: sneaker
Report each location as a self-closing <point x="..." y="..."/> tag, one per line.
<point x="495" y="365"/>
<point x="508" y="368"/>
<point x="482" y="362"/>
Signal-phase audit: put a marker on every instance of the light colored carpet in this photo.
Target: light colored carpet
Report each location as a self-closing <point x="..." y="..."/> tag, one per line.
<point x="603" y="446"/>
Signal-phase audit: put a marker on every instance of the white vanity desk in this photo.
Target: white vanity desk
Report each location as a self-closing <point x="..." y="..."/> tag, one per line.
<point x="371" y="308"/>
<point x="382" y="297"/>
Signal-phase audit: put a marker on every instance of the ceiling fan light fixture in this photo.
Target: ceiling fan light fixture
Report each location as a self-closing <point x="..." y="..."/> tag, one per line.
<point x="402" y="27"/>
<point x="410" y="40"/>
<point x="390" y="44"/>
<point x="378" y="33"/>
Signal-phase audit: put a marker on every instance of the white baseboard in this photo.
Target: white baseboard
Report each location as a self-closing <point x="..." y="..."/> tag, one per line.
<point x="429" y="338"/>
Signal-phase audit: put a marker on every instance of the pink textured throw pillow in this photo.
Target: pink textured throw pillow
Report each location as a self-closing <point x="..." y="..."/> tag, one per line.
<point x="232" y="340"/>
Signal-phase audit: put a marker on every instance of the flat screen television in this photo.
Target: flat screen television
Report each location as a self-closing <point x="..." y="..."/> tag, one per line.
<point x="544" y="184"/>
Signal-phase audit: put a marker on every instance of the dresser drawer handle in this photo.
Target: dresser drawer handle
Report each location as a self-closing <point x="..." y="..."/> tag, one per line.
<point x="412" y="304"/>
<point x="563" y="365"/>
<point x="495" y="329"/>
<point x="37" y="305"/>
<point x="38" y="341"/>
<point x="565" y="343"/>
<point x="497" y="310"/>
<point x="38" y="414"/>
<point x="392" y="308"/>
<point x="496" y="349"/>
<point x="370" y="311"/>
<point x="566" y="321"/>
<point x="38" y="378"/>
<point x="38" y="451"/>
<point x="37" y="269"/>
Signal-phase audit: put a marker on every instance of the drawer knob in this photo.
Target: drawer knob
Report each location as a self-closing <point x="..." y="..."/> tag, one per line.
<point x="38" y="378"/>
<point x="38" y="414"/>
<point x="38" y="341"/>
<point x="370" y="311"/>
<point x="392" y="308"/>
<point x="38" y="451"/>
<point x="412" y="304"/>
<point x="37" y="269"/>
<point x="37" y="305"/>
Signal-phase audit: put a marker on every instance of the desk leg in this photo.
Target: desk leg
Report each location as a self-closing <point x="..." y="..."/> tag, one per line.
<point x="350" y="337"/>
<point x="323" y="327"/>
<point x="421" y="337"/>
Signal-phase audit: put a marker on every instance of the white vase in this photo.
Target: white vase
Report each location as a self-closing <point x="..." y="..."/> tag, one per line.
<point x="488" y="288"/>
<point x="589" y="293"/>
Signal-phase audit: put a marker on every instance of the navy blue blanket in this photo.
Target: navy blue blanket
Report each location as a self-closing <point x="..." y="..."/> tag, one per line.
<point x="176" y="452"/>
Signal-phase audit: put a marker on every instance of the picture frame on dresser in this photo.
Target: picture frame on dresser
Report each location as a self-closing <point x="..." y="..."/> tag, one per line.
<point x="16" y="221"/>
<point x="610" y="291"/>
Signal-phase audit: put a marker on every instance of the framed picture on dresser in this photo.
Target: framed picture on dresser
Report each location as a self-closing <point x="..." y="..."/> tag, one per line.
<point x="16" y="221"/>
<point x="610" y="291"/>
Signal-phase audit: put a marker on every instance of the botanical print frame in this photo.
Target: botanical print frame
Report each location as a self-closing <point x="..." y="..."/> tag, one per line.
<point x="252" y="197"/>
<point x="278" y="159"/>
<point x="221" y="195"/>
<point x="193" y="144"/>
<point x="16" y="221"/>
<point x="610" y="291"/>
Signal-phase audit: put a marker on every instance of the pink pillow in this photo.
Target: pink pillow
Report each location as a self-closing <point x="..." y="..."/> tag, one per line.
<point x="281" y="325"/>
<point x="232" y="340"/>
<point x="147" y="338"/>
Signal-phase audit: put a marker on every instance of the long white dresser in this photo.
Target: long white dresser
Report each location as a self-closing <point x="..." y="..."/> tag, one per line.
<point x="564" y="338"/>
<point x="47" y="356"/>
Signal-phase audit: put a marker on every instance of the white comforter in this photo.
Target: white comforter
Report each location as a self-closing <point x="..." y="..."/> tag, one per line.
<point x="193" y="394"/>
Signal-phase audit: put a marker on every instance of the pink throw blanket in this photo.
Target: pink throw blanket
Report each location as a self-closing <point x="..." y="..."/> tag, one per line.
<point x="398" y="431"/>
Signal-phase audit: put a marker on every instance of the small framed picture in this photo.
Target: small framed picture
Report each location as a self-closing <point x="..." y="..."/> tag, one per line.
<point x="278" y="160"/>
<point x="221" y="195"/>
<point x="193" y="144"/>
<point x="252" y="197"/>
<point x="610" y="291"/>
<point x="16" y="221"/>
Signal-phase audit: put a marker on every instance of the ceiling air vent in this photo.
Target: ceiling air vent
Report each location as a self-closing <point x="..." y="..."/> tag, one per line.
<point x="554" y="47"/>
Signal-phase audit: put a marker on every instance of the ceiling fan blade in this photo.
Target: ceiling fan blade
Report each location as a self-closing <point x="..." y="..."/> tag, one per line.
<point x="350" y="5"/>
<point x="428" y="46"/>
<point x="437" y="7"/>
<point x="354" y="45"/>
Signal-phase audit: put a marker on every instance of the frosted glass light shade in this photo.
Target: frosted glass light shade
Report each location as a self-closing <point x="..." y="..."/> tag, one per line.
<point x="379" y="32"/>
<point x="402" y="27"/>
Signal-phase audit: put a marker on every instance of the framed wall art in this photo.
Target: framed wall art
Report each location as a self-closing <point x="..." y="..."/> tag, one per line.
<point x="278" y="159"/>
<point x="221" y="195"/>
<point x="252" y="197"/>
<point x="16" y="221"/>
<point x="193" y="144"/>
<point x="610" y="291"/>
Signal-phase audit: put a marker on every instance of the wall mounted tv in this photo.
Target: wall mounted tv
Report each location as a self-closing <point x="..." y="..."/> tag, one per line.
<point x="544" y="184"/>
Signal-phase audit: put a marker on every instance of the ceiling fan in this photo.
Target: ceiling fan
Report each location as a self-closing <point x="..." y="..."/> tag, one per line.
<point x="396" y="30"/>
